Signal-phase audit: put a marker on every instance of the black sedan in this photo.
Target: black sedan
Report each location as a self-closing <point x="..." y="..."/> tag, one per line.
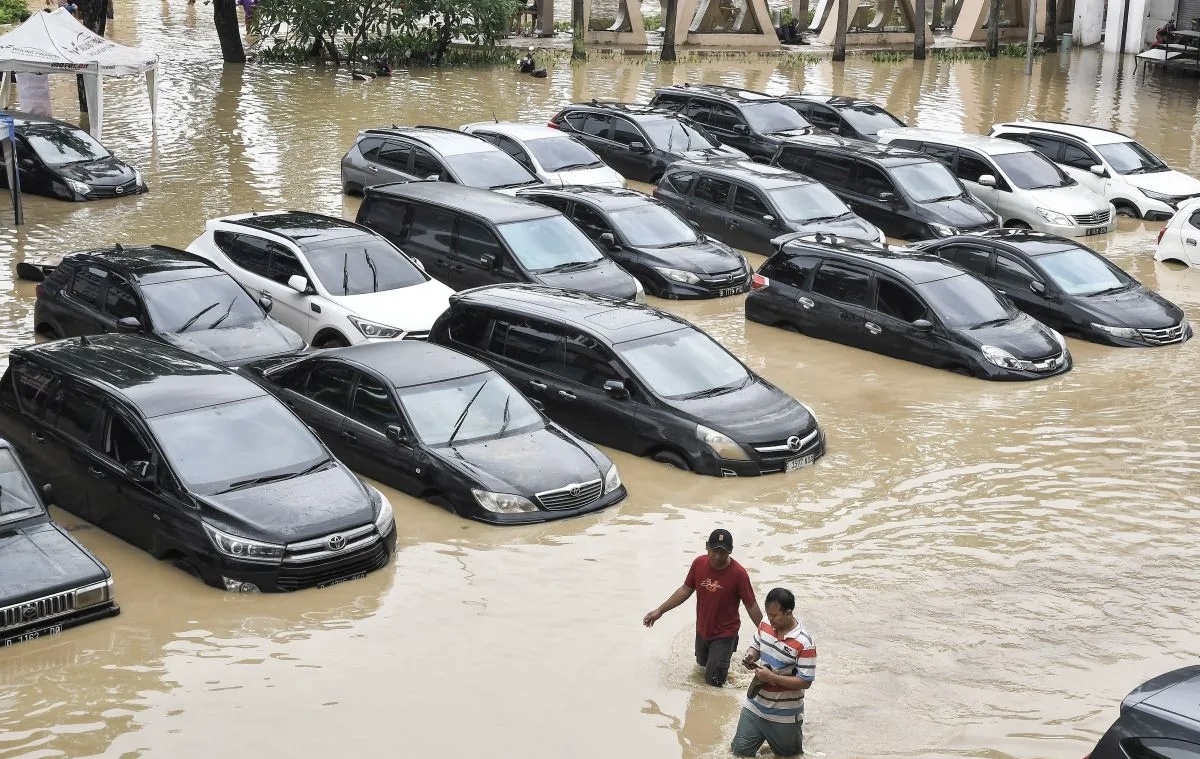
<point x="442" y="426"/>
<point x="62" y="161"/>
<point x="1067" y="285"/>
<point x="651" y="241"/>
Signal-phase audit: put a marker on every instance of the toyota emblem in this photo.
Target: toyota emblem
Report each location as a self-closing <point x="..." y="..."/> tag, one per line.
<point x="336" y="542"/>
<point x="575" y="490"/>
<point x="793" y="443"/>
<point x="29" y="611"/>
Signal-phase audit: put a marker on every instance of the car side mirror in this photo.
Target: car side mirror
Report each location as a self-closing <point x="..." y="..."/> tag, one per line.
<point x="140" y="471"/>
<point x="266" y="303"/>
<point x="769" y="220"/>
<point x="741" y="129"/>
<point x="639" y="147"/>
<point x="488" y="261"/>
<point x="887" y="197"/>
<point x="1037" y="287"/>
<point x="26" y="163"/>
<point x="616" y="389"/>
<point x="608" y="239"/>
<point x="48" y="493"/>
<point x="835" y="130"/>
<point x="987" y="180"/>
<point x="433" y="178"/>
<point x="298" y="283"/>
<point x="1098" y="171"/>
<point x="395" y="433"/>
<point x="129" y="324"/>
<point x="922" y="325"/>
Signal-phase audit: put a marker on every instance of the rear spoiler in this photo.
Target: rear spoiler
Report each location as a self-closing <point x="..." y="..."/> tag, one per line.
<point x="34" y="272"/>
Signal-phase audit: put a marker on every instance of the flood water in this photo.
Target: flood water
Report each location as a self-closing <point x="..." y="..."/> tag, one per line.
<point x="987" y="568"/>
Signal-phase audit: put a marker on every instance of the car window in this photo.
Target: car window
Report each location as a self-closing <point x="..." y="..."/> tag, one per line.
<point x="489" y="169"/>
<point x="681" y="181"/>
<point x="373" y="405"/>
<point x="548" y="242"/>
<point x="17" y="498"/>
<point x="894" y="300"/>
<point x="425" y="165"/>
<point x="653" y="224"/>
<point x="585" y="361"/>
<point x="748" y="203"/>
<point x="329" y="384"/>
<point x="626" y="133"/>
<point x="294" y="379"/>
<point x="463" y="409"/>
<point x="669" y="101"/>
<point x="74" y="414"/>
<point x="199" y="303"/>
<point x="677" y="135"/>
<point x="869" y="119"/>
<point x="792" y="271"/>
<point x="1131" y="158"/>
<point x="476" y="240"/>
<point x="60" y="145"/>
<point x="971" y="167"/>
<point x="362" y="264"/>
<point x="1160" y="748"/>
<point x="284" y="265"/>
<point x="721" y="116"/>
<point x="927" y="181"/>
<point x="590" y="220"/>
<point x="120" y="302"/>
<point x="88" y="285"/>
<point x="469" y="327"/>
<point x="1079" y="158"/>
<point x="712" y="190"/>
<point x="528" y="344"/>
<point x="793" y="160"/>
<point x="245" y="251"/>
<point x="395" y="155"/>
<point x="562" y="153"/>
<point x="774" y="116"/>
<point x="387" y="216"/>
<point x="963" y="301"/>
<point x="122" y="444"/>
<point x="1047" y="146"/>
<point x="369" y="147"/>
<point x="842" y="284"/>
<point x="682" y="363"/>
<point x="557" y="203"/>
<point x="32" y="386"/>
<point x="873" y="182"/>
<point x="1012" y="273"/>
<point x="1078" y="270"/>
<point x="1194" y="220"/>
<point x="514" y="149"/>
<point x="1032" y="171"/>
<point x="431" y="228"/>
<point x="972" y="259"/>
<point x="830" y="170"/>
<point x="698" y="110"/>
<point x="595" y="124"/>
<point x="823" y="117"/>
<point x="944" y="154"/>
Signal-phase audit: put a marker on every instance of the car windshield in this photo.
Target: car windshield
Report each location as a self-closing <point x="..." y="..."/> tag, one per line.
<point x="869" y="119"/>
<point x="58" y="146"/>
<point x="1131" y="158"/>
<point x="17" y="499"/>
<point x="490" y="170"/>
<point x="1030" y="170"/>
<point x="650" y="225"/>
<point x="548" y="243"/>
<point x="367" y="264"/>
<point x="173" y="306"/>
<point x="466" y="409"/>
<point x="808" y="202"/>
<point x="217" y="447"/>
<point x="1079" y="271"/>
<point x="765" y="118"/>
<point x="675" y="136"/>
<point x="963" y="301"/>
<point x="562" y="153"/>
<point x="682" y="364"/>
<point x="927" y="182"/>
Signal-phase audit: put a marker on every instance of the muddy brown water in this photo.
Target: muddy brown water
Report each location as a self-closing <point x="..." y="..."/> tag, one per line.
<point x="987" y="568"/>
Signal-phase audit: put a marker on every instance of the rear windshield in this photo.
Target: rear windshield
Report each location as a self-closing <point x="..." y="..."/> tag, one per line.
<point x="563" y="154"/>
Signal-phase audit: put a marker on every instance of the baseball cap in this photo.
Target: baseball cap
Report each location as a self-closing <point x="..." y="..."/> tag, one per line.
<point x="720" y="539"/>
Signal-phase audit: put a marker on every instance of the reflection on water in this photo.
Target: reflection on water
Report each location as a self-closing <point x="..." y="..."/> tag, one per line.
<point x="987" y="568"/>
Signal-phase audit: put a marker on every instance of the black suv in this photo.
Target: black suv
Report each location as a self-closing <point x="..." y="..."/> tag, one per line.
<point x="845" y="116"/>
<point x="172" y="295"/>
<point x="747" y="204"/>
<point x="634" y="378"/>
<point x="908" y="195"/>
<point x="1160" y="719"/>
<point x="751" y="121"/>
<point x="49" y="581"/>
<point x="638" y="141"/>
<point x="405" y="154"/>
<point x="191" y="463"/>
<point x="893" y="301"/>
<point x="651" y="241"/>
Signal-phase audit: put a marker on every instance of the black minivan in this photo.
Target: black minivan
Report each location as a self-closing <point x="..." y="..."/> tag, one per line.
<point x="910" y="196"/>
<point x="893" y="301"/>
<point x="467" y="237"/>
<point x="192" y="463"/>
<point x="633" y="378"/>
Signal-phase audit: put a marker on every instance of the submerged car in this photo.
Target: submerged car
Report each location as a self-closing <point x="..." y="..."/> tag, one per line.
<point x="554" y="156"/>
<point x="192" y="463"/>
<point x="1068" y="286"/>
<point x="169" y="294"/>
<point x="48" y="581"/>
<point x="845" y="116"/>
<point x="893" y="301"/>
<point x="62" y="161"/>
<point x="635" y="378"/>
<point x="445" y="427"/>
<point x="1160" y="719"/>
<point x="1179" y="240"/>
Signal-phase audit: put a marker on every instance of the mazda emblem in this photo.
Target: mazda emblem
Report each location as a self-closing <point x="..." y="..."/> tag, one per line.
<point x="793" y="443"/>
<point x="336" y="542"/>
<point x="29" y="611"/>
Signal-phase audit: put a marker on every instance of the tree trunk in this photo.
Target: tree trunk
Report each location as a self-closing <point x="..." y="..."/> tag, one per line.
<point x="578" y="25"/>
<point x="1051" y="40"/>
<point x="93" y="14"/>
<point x="919" y="24"/>
<point x="668" y="48"/>
<point x="225" y="18"/>
<point x="993" y="35"/>
<point x="839" y="39"/>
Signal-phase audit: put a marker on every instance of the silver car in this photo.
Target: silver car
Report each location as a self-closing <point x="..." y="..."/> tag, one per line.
<point x="554" y="156"/>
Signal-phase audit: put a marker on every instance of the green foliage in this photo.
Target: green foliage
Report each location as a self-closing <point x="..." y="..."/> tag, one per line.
<point x="799" y="60"/>
<point x="955" y="54"/>
<point x="889" y="56"/>
<point x="13" y="11"/>
<point x="1019" y="50"/>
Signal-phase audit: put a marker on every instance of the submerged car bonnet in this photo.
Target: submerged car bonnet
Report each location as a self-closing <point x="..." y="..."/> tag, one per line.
<point x="756" y="413"/>
<point x="102" y="172"/>
<point x="1024" y="337"/>
<point x="502" y="463"/>
<point x="40" y="560"/>
<point x="235" y="345"/>
<point x="604" y="278"/>
<point x="959" y="213"/>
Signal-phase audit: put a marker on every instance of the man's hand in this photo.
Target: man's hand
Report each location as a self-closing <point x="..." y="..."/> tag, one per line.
<point x="749" y="660"/>
<point x="651" y="618"/>
<point x="764" y="675"/>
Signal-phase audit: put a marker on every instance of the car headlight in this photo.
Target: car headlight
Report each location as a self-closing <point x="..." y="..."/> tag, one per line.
<point x="1126" y="333"/>
<point x="374" y="330"/>
<point x="1160" y="197"/>
<point x="722" y="445"/>
<point x="679" y="275"/>
<point x="941" y="230"/>
<point x="137" y="178"/>
<point x="612" y="480"/>
<point x="639" y="292"/>
<point x="385" y="520"/>
<point x="1004" y="359"/>
<point x="244" y="548"/>
<point x="1054" y="217"/>
<point x="90" y="595"/>
<point x="79" y="187"/>
<point x="503" y="503"/>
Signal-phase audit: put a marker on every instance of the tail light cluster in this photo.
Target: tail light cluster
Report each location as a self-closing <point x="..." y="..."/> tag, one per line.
<point x="1159" y="242"/>
<point x="552" y="125"/>
<point x="40" y="290"/>
<point x="759" y="282"/>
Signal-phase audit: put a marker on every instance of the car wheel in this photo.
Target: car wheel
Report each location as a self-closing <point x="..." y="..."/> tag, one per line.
<point x="672" y="458"/>
<point x="960" y="369"/>
<point x="654" y="179"/>
<point x="332" y="340"/>
<point x="439" y="500"/>
<point x="1125" y="209"/>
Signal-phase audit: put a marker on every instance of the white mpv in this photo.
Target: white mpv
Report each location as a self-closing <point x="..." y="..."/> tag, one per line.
<point x="555" y="157"/>
<point x="333" y="281"/>
<point x="1180" y="239"/>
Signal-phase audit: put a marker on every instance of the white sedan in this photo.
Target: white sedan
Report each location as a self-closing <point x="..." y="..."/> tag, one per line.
<point x="555" y="157"/>
<point x="1180" y="239"/>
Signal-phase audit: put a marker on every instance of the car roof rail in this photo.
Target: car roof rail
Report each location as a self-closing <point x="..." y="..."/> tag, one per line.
<point x="452" y="130"/>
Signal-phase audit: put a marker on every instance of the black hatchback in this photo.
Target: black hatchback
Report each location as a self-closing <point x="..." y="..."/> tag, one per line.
<point x="634" y="378"/>
<point x="650" y="241"/>
<point x="1068" y="286"/>
<point x="1160" y="719"/>
<point x="62" y="161"/>
<point x="171" y="295"/>
<point x="192" y="463"/>
<point x="896" y="302"/>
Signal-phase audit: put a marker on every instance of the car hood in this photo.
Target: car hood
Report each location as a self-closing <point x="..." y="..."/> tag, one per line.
<point x="798" y="132"/>
<point x="758" y="412"/>
<point x="301" y="508"/>
<point x="1075" y="200"/>
<point x="104" y="172"/>
<point x="1169" y="182"/>
<point x="233" y="346"/>
<point x="408" y="308"/>
<point x="854" y="227"/>
<point x="1139" y="307"/>
<point x="502" y="465"/>
<point x="598" y="177"/>
<point x="605" y="278"/>
<point x="42" y="560"/>
<point x="1024" y="337"/>
<point x="960" y="213"/>
<point x="705" y="256"/>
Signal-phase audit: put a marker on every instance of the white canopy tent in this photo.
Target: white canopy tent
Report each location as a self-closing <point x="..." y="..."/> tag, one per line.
<point x="55" y="43"/>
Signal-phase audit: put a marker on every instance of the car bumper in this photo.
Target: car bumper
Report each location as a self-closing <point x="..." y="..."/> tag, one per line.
<point x="673" y="290"/>
<point x="282" y="578"/>
<point x="45" y="628"/>
<point x="1075" y="230"/>
<point x="760" y="465"/>
<point x="546" y="515"/>
<point x="1104" y="338"/>
<point x="989" y="371"/>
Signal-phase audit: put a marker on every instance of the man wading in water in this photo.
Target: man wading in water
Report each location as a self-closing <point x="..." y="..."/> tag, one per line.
<point x="722" y="583"/>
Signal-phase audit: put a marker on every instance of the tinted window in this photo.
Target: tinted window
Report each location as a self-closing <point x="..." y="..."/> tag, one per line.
<point x="32" y="387"/>
<point x="120" y="302"/>
<point x="329" y="384"/>
<point x="122" y="444"/>
<point x="1160" y="748"/>
<point x="432" y="228"/>
<point x="944" y="154"/>
<point x="558" y="204"/>
<point x="792" y="271"/>
<point x="425" y="165"/>
<point x="724" y="117"/>
<point x="395" y="155"/>
<point x="590" y="220"/>
<point x="17" y="499"/>
<point x="595" y="124"/>
<point x="527" y="345"/>
<point x="469" y="327"/>
<point x="1081" y="271"/>
<point x="284" y="265"/>
<point x="626" y="133"/>
<point x="1078" y="157"/>
<point x="585" y="362"/>
<point x="971" y="167"/>
<point x="372" y="404"/>
<point x="714" y="191"/>
<point x="873" y="182"/>
<point x="927" y="182"/>
<point x="682" y="363"/>
<point x="896" y="301"/>
<point x="869" y="119"/>
<point x="674" y="136"/>
<point x="772" y="117"/>
<point x="748" y="203"/>
<point x="963" y="301"/>
<point x="653" y="224"/>
<point x="1012" y="273"/>
<point x="830" y="170"/>
<point x="681" y="181"/>
<point x="1032" y="171"/>
<point x="793" y="160"/>
<point x="1047" y="146"/>
<point x="200" y="303"/>
<point x="75" y="415"/>
<point x="89" y="285"/>
<point x="1194" y="220"/>
<point x="842" y="284"/>
<point x="489" y="169"/>
<point x="475" y="241"/>
<point x="250" y="253"/>
<point x="821" y="116"/>
<point x="386" y="216"/>
<point x="698" y="110"/>
<point x="369" y="147"/>
<point x="974" y="260"/>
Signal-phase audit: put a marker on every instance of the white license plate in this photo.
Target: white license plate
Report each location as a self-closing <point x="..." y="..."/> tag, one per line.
<point x="341" y="580"/>
<point x="33" y="634"/>
<point x="799" y="462"/>
<point x="727" y="291"/>
<point x="1095" y="231"/>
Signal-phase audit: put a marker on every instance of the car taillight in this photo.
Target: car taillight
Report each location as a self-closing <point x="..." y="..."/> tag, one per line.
<point x="1160" y="234"/>
<point x="40" y="290"/>
<point x="759" y="282"/>
<point x="552" y="125"/>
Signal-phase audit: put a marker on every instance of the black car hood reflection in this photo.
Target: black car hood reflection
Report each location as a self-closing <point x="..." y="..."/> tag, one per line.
<point x="1138" y="307"/>
<point x="852" y="227"/>
<point x="104" y="172"/>
<point x="505" y="464"/>
<point x="783" y="134"/>
<point x="40" y="560"/>
<point x="236" y="345"/>
<point x="301" y="508"/>
<point x="1024" y="337"/>
<point x="755" y="413"/>
<point x="959" y="212"/>
<point x="602" y="278"/>
<point x="705" y="256"/>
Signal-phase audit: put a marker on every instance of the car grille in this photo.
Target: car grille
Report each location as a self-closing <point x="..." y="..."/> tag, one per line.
<point x="724" y="279"/>
<point x="781" y="448"/>
<point x="38" y="609"/>
<point x="416" y="335"/>
<point x="1091" y="219"/>
<point x="572" y="496"/>
<point x="1162" y="336"/>
<point x="1048" y="364"/>
<point x="112" y="191"/>
<point x="319" y="561"/>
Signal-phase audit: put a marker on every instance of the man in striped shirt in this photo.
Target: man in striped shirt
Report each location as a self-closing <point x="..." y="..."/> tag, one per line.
<point x="784" y="660"/>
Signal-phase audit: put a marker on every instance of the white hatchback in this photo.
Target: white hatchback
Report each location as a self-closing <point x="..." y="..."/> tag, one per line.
<point x="1180" y="239"/>
<point x="333" y="281"/>
<point x="555" y="157"/>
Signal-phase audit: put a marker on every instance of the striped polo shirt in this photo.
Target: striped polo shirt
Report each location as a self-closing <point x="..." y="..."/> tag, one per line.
<point x="793" y="654"/>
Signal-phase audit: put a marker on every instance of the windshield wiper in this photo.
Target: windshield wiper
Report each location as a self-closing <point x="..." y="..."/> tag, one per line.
<point x="1109" y="291"/>
<point x="816" y="219"/>
<point x="221" y="318"/>
<point x="572" y="266"/>
<point x="202" y="312"/>
<point x="504" y="423"/>
<point x="346" y="273"/>
<point x="374" y="272"/>
<point x="992" y="323"/>
<point x="239" y="484"/>
<point x="945" y="198"/>
<point x="712" y="391"/>
<point x="458" y="423"/>
<point x="527" y="182"/>
<point x="573" y="166"/>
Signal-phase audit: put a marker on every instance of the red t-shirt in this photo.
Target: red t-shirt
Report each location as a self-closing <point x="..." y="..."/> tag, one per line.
<point x="718" y="593"/>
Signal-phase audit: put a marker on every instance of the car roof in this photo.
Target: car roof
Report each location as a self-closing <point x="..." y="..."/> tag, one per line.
<point x="517" y="130"/>
<point x="148" y="263"/>
<point x="913" y="265"/>
<point x="154" y="377"/>
<point x="635" y="111"/>
<point x="980" y="142"/>
<point x="617" y="321"/>
<point x="1177" y="691"/>
<point x="739" y="94"/>
<point x="443" y="140"/>
<point x="762" y="175"/>
<point x="23" y="119"/>
<point x="888" y="155"/>
<point x="305" y="229"/>
<point x="608" y="198"/>
<point x="834" y="101"/>
<point x="1091" y="134"/>
<point x="404" y="363"/>
<point x="1027" y="241"/>
<point x="494" y="206"/>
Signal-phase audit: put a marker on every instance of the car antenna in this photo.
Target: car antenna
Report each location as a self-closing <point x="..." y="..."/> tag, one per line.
<point x="83" y="340"/>
<point x="119" y="249"/>
<point x="494" y="117"/>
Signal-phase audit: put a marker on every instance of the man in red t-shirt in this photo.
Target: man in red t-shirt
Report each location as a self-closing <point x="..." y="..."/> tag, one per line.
<point x="722" y="583"/>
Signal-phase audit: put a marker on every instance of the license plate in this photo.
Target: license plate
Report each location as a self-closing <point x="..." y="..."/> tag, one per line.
<point x="33" y="634"/>
<point x="340" y="580"/>
<point x="1095" y="231"/>
<point x="799" y="462"/>
<point x="727" y="291"/>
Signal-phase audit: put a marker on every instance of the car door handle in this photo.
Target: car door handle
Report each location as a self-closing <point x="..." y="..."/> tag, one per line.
<point x="873" y="328"/>
<point x="458" y="267"/>
<point x="39" y="437"/>
<point x="1190" y="241"/>
<point x="373" y="169"/>
<point x="94" y="472"/>
<point x="538" y="385"/>
<point x="806" y="302"/>
<point x="349" y="435"/>
<point x="565" y="394"/>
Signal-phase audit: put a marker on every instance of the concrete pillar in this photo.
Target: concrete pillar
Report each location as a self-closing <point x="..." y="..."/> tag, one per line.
<point x="1133" y="33"/>
<point x="1088" y="22"/>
